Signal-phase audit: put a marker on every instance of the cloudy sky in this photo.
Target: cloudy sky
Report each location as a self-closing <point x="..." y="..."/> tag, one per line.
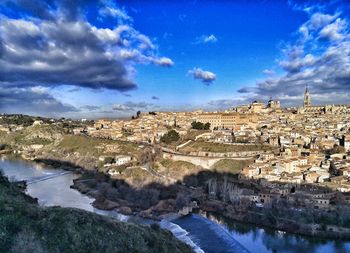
<point x="107" y="58"/>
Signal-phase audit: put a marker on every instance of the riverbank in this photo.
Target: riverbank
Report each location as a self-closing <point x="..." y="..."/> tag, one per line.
<point x="27" y="226"/>
<point x="294" y="221"/>
<point x="273" y="222"/>
<point x="151" y="202"/>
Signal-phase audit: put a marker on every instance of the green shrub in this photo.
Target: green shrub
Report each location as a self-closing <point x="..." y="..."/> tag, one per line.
<point x="200" y="126"/>
<point x="27" y="227"/>
<point x="170" y="136"/>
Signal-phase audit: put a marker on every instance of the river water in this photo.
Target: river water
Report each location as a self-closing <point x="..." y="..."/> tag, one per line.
<point x="205" y="234"/>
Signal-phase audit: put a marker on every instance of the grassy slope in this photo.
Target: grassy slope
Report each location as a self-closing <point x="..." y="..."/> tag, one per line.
<point x="178" y="169"/>
<point x="231" y="166"/>
<point x="71" y="143"/>
<point x="26" y="227"/>
<point x="89" y="145"/>
<point x="32" y="135"/>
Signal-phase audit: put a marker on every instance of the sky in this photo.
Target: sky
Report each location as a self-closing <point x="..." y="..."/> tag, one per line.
<point x="109" y="59"/>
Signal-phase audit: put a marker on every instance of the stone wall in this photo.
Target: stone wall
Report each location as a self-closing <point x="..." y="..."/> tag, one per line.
<point x="205" y="162"/>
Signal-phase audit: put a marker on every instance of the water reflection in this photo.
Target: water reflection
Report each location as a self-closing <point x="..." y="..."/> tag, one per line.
<point x="257" y="239"/>
<point x="53" y="192"/>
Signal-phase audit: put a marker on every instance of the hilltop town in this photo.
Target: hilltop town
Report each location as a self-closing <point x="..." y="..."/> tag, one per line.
<point x="308" y="144"/>
<point x="253" y="157"/>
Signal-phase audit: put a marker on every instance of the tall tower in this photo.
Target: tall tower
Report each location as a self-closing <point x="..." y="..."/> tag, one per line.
<point x="307" y="98"/>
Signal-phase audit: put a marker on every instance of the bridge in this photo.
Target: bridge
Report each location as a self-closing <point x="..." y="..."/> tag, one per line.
<point x="35" y="180"/>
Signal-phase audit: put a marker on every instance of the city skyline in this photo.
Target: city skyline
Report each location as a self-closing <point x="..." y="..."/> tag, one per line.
<point x="115" y="58"/>
<point x="175" y="126"/>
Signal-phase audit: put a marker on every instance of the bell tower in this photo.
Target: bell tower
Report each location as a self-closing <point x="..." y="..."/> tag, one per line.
<point x="307" y="98"/>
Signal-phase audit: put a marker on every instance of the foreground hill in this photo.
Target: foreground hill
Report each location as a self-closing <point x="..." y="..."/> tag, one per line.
<point x="27" y="227"/>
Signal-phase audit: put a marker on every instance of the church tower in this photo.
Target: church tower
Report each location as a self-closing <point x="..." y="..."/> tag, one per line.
<point x="307" y="99"/>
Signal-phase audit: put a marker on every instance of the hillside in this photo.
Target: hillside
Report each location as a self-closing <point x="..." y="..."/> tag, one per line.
<point x="26" y="227"/>
<point x="49" y="141"/>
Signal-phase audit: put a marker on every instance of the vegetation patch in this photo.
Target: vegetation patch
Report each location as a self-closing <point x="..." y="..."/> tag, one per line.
<point x="26" y="227"/>
<point x="192" y="134"/>
<point x="136" y="173"/>
<point x="178" y="169"/>
<point x="231" y="166"/>
<point x="200" y="125"/>
<point x="18" y="119"/>
<point x="39" y="134"/>
<point x="95" y="146"/>
<point x="170" y="136"/>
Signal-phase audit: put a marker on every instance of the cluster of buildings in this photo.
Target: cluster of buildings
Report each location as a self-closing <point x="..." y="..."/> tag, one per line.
<point x="148" y="127"/>
<point x="302" y="196"/>
<point x="312" y="150"/>
<point x="256" y="122"/>
<point x="314" y="146"/>
<point x="313" y="141"/>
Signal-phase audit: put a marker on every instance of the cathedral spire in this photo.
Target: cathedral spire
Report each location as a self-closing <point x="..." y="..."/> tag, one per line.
<point x="307" y="98"/>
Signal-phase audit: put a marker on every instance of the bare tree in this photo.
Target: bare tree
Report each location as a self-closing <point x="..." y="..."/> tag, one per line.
<point x="224" y="189"/>
<point x="235" y="194"/>
<point x="212" y="187"/>
<point x="150" y="155"/>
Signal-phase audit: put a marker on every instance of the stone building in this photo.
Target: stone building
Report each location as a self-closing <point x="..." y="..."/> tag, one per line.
<point x="307" y="108"/>
<point x="226" y="120"/>
<point x="273" y="104"/>
<point x="307" y="98"/>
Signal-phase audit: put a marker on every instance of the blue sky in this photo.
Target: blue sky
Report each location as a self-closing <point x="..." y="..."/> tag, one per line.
<point x="111" y="58"/>
<point x="247" y="43"/>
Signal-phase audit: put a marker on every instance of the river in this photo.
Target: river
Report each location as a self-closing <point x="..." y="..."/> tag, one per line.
<point x="205" y="233"/>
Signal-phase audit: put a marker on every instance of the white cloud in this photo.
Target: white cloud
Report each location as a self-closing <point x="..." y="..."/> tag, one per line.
<point x="164" y="61"/>
<point x="35" y="100"/>
<point x="334" y="30"/>
<point x="297" y="63"/>
<point x="70" y="50"/>
<point x="39" y="89"/>
<point x="319" y="58"/>
<point x="316" y="22"/>
<point x="319" y="20"/>
<point x="121" y="107"/>
<point x="206" y="39"/>
<point x="114" y="12"/>
<point x="54" y="44"/>
<point x="269" y="72"/>
<point x="132" y="106"/>
<point x="206" y="77"/>
<point x="210" y="38"/>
